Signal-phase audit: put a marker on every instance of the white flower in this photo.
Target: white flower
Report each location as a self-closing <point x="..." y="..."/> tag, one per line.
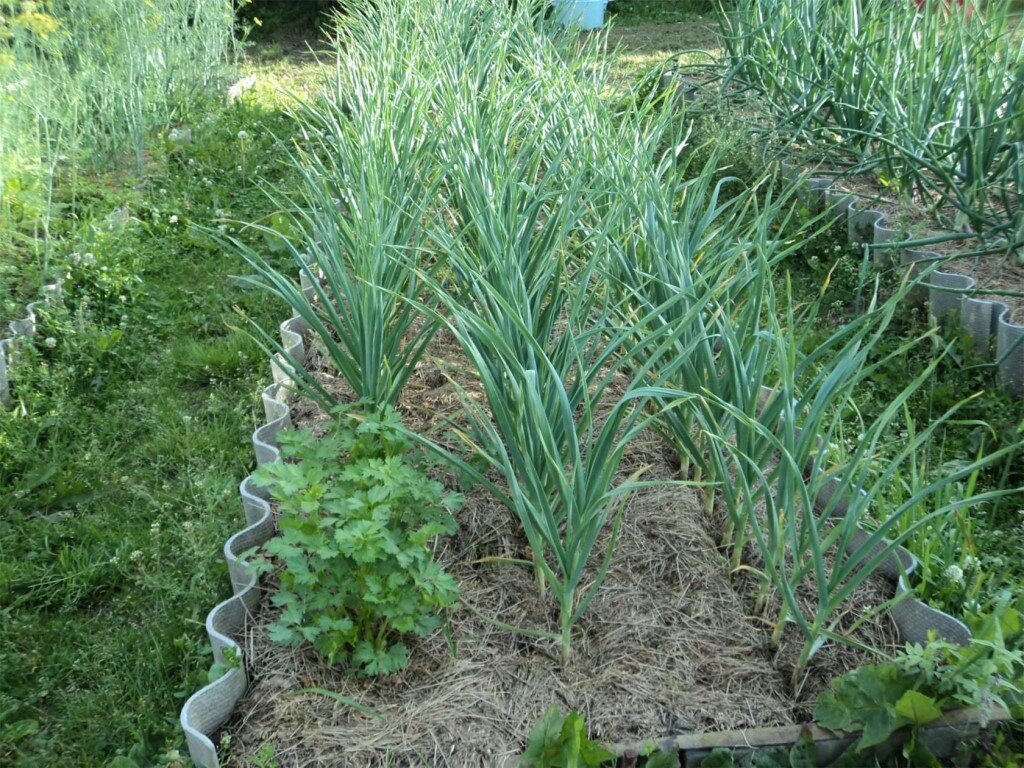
<point x="243" y="135"/>
<point x="135" y="555"/>
<point x="971" y="562"/>
<point x="955" y="574"/>
<point x="163" y="191"/>
<point x="88" y="259"/>
<point x="173" y="219"/>
<point x="220" y="213"/>
<point x="154" y="529"/>
<point x="50" y="342"/>
<point x="188" y="525"/>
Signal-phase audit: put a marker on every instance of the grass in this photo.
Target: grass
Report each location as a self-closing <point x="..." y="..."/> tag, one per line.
<point x="121" y="458"/>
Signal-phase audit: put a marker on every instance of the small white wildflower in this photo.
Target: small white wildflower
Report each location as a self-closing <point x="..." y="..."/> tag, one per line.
<point x="223" y="227"/>
<point x="50" y="342"/>
<point x="238" y="168"/>
<point x="88" y="259"/>
<point x="163" y="191"/>
<point x="188" y="526"/>
<point x="123" y="299"/>
<point x="243" y="135"/>
<point x="220" y="213"/>
<point x="191" y="161"/>
<point x="124" y="478"/>
<point x="971" y="562"/>
<point x="135" y="555"/>
<point x="154" y="529"/>
<point x="115" y="560"/>
<point x="76" y="258"/>
<point x="173" y="219"/>
<point x="954" y="573"/>
<point x="207" y="182"/>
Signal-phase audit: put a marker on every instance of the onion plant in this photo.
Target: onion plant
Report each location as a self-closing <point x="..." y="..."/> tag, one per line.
<point x="94" y="80"/>
<point x="557" y="451"/>
<point x="754" y="396"/>
<point x="369" y="175"/>
<point x="930" y="97"/>
<point x="758" y="414"/>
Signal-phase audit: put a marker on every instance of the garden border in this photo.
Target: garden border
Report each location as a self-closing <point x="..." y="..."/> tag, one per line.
<point x="946" y="293"/>
<point x="212" y="705"/>
<point x="985" y="320"/>
<point x="24" y="328"/>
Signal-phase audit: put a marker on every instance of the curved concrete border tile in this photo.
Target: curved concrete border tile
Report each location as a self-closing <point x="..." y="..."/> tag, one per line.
<point x="986" y="321"/>
<point x="913" y="617"/>
<point x="24" y="328"/>
<point x="208" y="708"/>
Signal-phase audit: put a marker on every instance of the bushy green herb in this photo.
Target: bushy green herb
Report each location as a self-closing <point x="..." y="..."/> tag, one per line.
<point x="358" y="516"/>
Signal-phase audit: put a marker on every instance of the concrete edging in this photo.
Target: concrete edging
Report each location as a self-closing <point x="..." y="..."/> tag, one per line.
<point x="210" y="707"/>
<point x="947" y="293"/>
<point x="24" y="328"/>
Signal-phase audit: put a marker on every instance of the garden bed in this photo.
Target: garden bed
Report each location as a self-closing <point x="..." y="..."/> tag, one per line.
<point x="669" y="646"/>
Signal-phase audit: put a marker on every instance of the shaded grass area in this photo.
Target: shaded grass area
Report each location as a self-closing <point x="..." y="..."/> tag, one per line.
<point x="120" y="460"/>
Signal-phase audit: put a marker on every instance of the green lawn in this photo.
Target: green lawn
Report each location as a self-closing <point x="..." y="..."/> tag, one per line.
<point x="127" y="438"/>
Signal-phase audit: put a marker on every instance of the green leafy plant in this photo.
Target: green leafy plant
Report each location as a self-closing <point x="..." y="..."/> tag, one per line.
<point x="358" y="515"/>
<point x="923" y="681"/>
<point x="561" y="741"/>
<point x="800" y="755"/>
<point x="232" y="660"/>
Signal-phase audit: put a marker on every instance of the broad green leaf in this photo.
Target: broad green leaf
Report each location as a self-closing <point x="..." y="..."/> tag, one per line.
<point x="918" y="708"/>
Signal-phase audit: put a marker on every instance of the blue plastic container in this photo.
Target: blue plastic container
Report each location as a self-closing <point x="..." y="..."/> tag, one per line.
<point x="589" y="14"/>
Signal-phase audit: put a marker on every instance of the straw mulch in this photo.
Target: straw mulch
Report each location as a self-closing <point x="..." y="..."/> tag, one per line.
<point x="669" y="644"/>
